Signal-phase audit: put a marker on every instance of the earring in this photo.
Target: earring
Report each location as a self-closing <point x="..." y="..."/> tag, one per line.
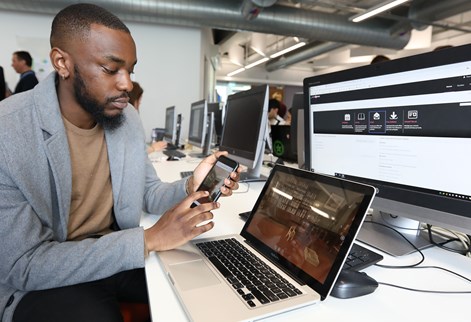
<point x="63" y="77"/>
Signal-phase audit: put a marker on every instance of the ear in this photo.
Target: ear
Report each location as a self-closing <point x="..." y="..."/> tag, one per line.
<point x="60" y="61"/>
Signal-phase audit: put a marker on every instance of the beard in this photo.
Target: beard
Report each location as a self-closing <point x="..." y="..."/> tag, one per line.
<point x="94" y="107"/>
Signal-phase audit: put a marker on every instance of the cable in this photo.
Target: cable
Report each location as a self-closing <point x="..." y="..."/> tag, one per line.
<point x="244" y="191"/>
<point x="424" y="291"/>
<point x="396" y="231"/>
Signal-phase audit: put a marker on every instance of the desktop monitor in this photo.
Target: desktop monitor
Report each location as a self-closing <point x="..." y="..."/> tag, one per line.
<point x="245" y="128"/>
<point x="297" y="128"/>
<point x="198" y="123"/>
<point x="215" y="108"/>
<point x="404" y="127"/>
<point x="170" y="124"/>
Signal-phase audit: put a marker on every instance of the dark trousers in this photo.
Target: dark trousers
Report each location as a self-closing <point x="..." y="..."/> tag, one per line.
<point x="94" y="301"/>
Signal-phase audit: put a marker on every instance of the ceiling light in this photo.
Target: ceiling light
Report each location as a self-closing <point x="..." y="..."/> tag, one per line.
<point x="236" y="72"/>
<point x="376" y="10"/>
<point x="284" y="51"/>
<point x="258" y="62"/>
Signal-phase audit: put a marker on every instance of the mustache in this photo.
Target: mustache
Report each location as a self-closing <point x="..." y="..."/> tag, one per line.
<point x="114" y="98"/>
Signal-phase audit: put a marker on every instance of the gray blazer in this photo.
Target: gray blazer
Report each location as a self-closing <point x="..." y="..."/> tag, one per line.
<point x="35" y="194"/>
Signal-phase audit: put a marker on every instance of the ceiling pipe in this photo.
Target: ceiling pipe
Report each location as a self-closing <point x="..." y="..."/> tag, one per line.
<point x="421" y="11"/>
<point x="305" y="53"/>
<point x="282" y="20"/>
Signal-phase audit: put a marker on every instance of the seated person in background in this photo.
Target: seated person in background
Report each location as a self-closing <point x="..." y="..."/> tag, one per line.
<point x="72" y="197"/>
<point x="135" y="97"/>
<point x="288" y="117"/>
<point x="379" y="59"/>
<point x="273" y="117"/>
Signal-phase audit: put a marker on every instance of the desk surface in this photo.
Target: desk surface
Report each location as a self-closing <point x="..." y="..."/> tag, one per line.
<point x="385" y="304"/>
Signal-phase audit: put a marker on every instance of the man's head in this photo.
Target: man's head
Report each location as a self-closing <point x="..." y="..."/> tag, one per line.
<point x="94" y="54"/>
<point x="273" y="106"/>
<point x="21" y="61"/>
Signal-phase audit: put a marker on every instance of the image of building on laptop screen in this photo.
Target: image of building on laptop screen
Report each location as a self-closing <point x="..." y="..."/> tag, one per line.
<point x="305" y="221"/>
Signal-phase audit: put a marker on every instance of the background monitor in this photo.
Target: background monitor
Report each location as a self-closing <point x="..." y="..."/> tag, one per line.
<point x="404" y="127"/>
<point x="198" y="123"/>
<point x="297" y="128"/>
<point x="245" y="128"/>
<point x="170" y="124"/>
<point x="216" y="109"/>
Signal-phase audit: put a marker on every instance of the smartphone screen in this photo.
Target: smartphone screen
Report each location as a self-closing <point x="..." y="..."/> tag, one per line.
<point x="215" y="179"/>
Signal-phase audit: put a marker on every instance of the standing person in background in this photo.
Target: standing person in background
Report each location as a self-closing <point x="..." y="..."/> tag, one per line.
<point x="21" y="62"/>
<point x="3" y="87"/>
<point x="135" y="97"/>
<point x="273" y="117"/>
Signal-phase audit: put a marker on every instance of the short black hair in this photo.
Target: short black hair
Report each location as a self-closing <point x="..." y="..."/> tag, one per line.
<point x="75" y="22"/>
<point x="379" y="59"/>
<point x="273" y="103"/>
<point x="24" y="55"/>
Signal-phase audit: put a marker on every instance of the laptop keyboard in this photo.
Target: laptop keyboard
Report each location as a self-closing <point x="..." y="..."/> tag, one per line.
<point x="253" y="280"/>
<point x="360" y="258"/>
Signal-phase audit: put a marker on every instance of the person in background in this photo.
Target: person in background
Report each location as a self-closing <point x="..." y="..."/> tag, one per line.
<point x="273" y="117"/>
<point x="135" y="97"/>
<point x="379" y="59"/>
<point x="21" y="62"/>
<point x="72" y="197"/>
<point x="3" y="86"/>
<point x="288" y="117"/>
<point x="282" y="109"/>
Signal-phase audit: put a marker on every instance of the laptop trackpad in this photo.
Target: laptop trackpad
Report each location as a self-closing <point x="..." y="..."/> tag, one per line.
<point x="191" y="275"/>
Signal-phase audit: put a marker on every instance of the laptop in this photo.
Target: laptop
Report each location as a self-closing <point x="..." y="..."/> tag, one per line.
<point x="300" y="229"/>
<point x="281" y="143"/>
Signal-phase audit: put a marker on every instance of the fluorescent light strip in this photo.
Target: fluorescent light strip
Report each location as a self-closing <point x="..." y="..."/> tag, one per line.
<point x="240" y="70"/>
<point x="258" y="62"/>
<point x="376" y="10"/>
<point x="284" y="51"/>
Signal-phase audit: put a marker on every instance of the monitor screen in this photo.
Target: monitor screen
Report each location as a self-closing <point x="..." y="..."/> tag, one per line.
<point x="215" y="108"/>
<point x="402" y="126"/>
<point x="245" y="128"/>
<point x="170" y="124"/>
<point x="198" y="120"/>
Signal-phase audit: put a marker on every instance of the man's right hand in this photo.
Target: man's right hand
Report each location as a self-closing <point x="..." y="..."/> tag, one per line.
<point x="180" y="224"/>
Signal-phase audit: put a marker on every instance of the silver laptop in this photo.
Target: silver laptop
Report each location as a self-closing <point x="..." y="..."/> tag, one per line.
<point x="298" y="236"/>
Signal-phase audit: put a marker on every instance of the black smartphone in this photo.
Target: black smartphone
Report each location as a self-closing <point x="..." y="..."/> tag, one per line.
<point x="215" y="179"/>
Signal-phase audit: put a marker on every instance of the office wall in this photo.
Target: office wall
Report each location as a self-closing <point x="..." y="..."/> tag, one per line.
<point x="169" y="62"/>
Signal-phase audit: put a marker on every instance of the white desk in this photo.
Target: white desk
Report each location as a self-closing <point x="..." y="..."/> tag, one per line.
<point x="385" y="304"/>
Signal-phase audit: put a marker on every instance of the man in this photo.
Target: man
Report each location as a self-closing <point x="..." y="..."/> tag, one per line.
<point x="21" y="62"/>
<point x="75" y="177"/>
<point x="273" y="117"/>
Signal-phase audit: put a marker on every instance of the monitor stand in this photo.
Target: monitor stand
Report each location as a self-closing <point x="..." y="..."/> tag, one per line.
<point x="374" y="233"/>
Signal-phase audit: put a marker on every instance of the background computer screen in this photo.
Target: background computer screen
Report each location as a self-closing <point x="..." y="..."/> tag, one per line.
<point x="403" y="126"/>
<point x="216" y="109"/>
<point x="245" y="127"/>
<point x="198" y="120"/>
<point x="170" y="124"/>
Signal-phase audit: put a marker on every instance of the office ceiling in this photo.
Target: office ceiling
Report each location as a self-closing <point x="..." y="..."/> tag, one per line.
<point x="246" y="31"/>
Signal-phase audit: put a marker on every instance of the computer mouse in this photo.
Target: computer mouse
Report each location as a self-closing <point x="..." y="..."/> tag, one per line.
<point x="352" y="283"/>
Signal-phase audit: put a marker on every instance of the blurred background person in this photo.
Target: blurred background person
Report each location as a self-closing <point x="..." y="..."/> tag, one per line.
<point x="21" y="62"/>
<point x="3" y="87"/>
<point x="135" y="97"/>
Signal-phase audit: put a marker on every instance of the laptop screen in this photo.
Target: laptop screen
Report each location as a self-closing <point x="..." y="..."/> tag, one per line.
<point x="307" y="222"/>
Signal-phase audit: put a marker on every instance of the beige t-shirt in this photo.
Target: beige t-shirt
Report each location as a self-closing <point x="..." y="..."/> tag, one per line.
<point x="92" y="198"/>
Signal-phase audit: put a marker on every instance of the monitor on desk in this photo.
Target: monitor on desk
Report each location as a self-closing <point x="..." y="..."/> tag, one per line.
<point x="198" y="123"/>
<point x="404" y="127"/>
<point x="245" y="128"/>
<point x="216" y="109"/>
<point x="170" y="124"/>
